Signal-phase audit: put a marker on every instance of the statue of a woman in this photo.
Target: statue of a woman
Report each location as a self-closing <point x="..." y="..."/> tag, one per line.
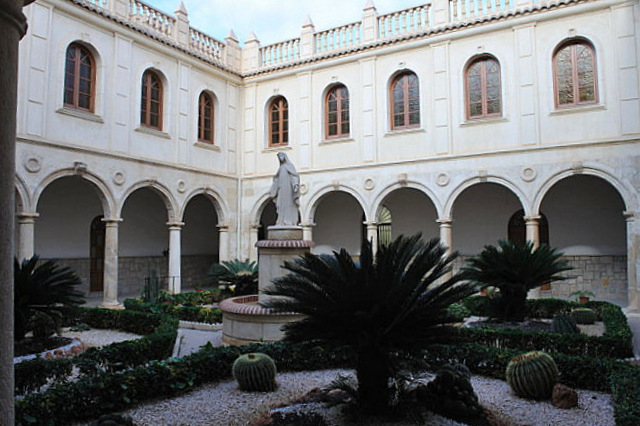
<point x="285" y="191"/>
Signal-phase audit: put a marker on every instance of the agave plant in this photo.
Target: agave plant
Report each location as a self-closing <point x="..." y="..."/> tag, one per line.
<point x="42" y="286"/>
<point x="514" y="269"/>
<point x="241" y="275"/>
<point x="398" y="299"/>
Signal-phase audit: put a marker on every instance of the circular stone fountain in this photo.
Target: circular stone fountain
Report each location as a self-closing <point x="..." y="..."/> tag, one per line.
<point x="244" y="321"/>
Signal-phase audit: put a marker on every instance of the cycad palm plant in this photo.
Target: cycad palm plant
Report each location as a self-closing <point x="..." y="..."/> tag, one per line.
<point x="514" y="268"/>
<point x="242" y="274"/>
<point x="42" y="286"/>
<point x="396" y="300"/>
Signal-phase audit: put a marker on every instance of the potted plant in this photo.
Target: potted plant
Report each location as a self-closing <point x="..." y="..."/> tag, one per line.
<point x="582" y="295"/>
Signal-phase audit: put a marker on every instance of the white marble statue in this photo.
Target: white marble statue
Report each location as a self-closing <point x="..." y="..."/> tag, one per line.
<point x="285" y="192"/>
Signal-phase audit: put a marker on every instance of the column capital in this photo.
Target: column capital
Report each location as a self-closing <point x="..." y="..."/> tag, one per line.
<point x="175" y="225"/>
<point x="444" y="221"/>
<point x="534" y="218"/>
<point x="255" y="226"/>
<point x="27" y="217"/>
<point x="15" y="17"/>
<point x="629" y="215"/>
<point x="308" y="224"/>
<point x="111" y="221"/>
<point x="223" y="227"/>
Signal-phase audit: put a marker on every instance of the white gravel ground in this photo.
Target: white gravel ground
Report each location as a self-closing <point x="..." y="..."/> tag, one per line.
<point x="223" y="404"/>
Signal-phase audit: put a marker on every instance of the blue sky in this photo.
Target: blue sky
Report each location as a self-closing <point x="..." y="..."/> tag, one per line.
<point x="273" y="20"/>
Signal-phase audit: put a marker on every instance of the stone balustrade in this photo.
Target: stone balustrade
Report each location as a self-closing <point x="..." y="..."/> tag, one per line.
<point x="373" y="28"/>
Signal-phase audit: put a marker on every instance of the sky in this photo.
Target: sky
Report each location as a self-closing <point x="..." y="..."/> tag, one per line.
<point x="273" y="20"/>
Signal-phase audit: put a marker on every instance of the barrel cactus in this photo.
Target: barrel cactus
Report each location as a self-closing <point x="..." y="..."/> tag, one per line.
<point x="255" y="372"/>
<point x="532" y="375"/>
<point x="584" y="315"/>
<point x="564" y="324"/>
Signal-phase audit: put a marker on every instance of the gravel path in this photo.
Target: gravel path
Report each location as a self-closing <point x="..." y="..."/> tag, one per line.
<point x="224" y="404"/>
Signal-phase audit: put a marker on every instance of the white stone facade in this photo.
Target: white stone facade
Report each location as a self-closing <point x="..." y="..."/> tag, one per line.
<point x="163" y="195"/>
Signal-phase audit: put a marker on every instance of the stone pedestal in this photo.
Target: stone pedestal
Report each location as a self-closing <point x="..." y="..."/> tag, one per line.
<point x="244" y="320"/>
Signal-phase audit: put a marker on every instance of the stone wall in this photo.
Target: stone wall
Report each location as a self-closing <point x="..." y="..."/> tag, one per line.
<point x="133" y="270"/>
<point x="605" y="276"/>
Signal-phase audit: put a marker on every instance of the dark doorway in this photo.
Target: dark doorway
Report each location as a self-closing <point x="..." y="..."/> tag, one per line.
<point x="97" y="255"/>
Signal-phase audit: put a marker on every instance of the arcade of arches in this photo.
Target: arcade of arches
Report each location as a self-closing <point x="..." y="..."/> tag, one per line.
<point x="69" y="224"/>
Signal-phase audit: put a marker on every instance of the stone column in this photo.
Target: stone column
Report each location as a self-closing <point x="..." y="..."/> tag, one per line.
<point x="223" y="238"/>
<point x="532" y="224"/>
<point x="253" y="239"/>
<point x="26" y="227"/>
<point x="446" y="235"/>
<point x="633" y="261"/>
<point x="110" y="278"/>
<point x="13" y="26"/>
<point x="372" y="235"/>
<point x="307" y="231"/>
<point x="174" y="257"/>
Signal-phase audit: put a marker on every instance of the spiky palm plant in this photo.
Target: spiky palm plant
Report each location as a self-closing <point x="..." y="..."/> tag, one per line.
<point x="42" y="286"/>
<point x="396" y="300"/>
<point x="514" y="268"/>
<point x="242" y="274"/>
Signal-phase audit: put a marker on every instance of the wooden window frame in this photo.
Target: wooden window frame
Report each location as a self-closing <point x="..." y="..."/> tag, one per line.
<point x="338" y="89"/>
<point x="202" y="116"/>
<point x="145" y="101"/>
<point x="574" y="74"/>
<point x="406" y="99"/>
<point x="75" y="94"/>
<point x="484" y="102"/>
<point x="280" y="106"/>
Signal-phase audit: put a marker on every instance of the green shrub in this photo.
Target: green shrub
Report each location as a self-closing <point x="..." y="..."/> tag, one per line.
<point x="625" y="389"/>
<point x="211" y="315"/>
<point x="458" y="312"/>
<point x="477" y="305"/>
<point x="584" y="315"/>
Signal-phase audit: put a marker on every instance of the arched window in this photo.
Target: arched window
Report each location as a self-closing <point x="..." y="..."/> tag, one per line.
<point x="574" y="68"/>
<point x="79" y="78"/>
<point x="278" y="122"/>
<point x="151" y="101"/>
<point x="483" y="88"/>
<point x="337" y="112"/>
<point x="205" y="118"/>
<point x="405" y="102"/>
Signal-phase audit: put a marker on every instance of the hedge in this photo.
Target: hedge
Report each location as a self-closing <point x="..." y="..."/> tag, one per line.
<point x="211" y="315"/>
<point x="160" y="331"/>
<point x="102" y="392"/>
<point x="616" y="342"/>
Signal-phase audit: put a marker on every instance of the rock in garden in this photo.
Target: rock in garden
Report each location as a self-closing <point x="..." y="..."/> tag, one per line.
<point x="564" y="397"/>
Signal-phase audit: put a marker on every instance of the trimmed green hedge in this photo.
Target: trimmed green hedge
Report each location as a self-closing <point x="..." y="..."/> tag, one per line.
<point x="616" y="342"/>
<point x="160" y="335"/>
<point x="104" y="392"/>
<point x="185" y="313"/>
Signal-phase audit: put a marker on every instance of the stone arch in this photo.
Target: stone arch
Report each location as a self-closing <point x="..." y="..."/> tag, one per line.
<point x="221" y="208"/>
<point x="627" y="194"/>
<point x="102" y="189"/>
<point x="308" y="213"/>
<point x="401" y="185"/>
<point x="468" y="183"/>
<point x="165" y="195"/>
<point x="23" y="200"/>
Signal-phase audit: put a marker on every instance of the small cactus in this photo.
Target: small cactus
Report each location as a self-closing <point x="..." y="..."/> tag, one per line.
<point x="584" y="315"/>
<point x="564" y="324"/>
<point x="532" y="375"/>
<point x="255" y="372"/>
